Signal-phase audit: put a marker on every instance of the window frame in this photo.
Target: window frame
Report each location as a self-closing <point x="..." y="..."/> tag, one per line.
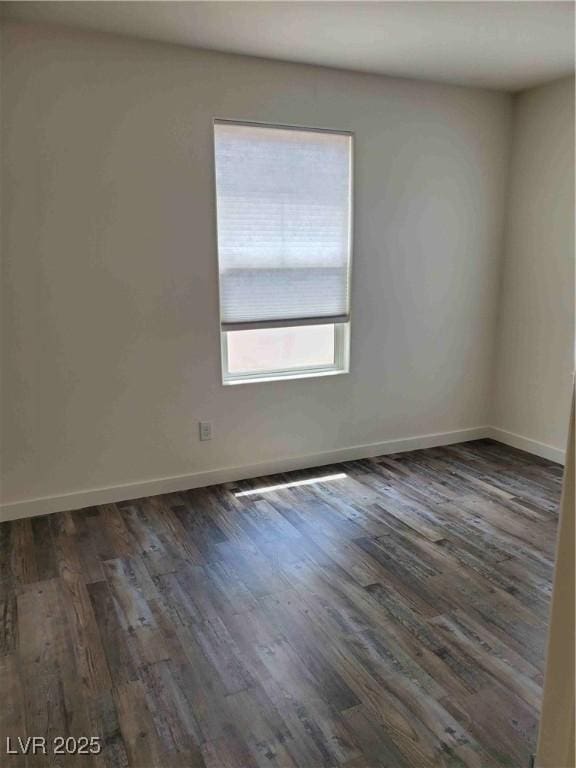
<point x="341" y="363"/>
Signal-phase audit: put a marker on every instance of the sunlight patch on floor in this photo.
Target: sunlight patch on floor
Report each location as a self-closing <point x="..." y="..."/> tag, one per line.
<point x="280" y="486"/>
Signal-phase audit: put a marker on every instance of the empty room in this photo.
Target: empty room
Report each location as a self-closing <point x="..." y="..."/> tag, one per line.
<point x="287" y="384"/>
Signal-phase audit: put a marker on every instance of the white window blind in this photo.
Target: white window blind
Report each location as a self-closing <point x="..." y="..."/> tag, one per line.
<point x="284" y="209"/>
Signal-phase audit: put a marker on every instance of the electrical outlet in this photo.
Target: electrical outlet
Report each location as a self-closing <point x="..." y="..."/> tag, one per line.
<point x="205" y="429"/>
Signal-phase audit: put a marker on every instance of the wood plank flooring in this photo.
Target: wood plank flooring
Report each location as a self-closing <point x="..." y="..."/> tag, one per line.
<point x="392" y="615"/>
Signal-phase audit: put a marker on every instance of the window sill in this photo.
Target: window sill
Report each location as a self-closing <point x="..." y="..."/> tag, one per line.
<point x="283" y="376"/>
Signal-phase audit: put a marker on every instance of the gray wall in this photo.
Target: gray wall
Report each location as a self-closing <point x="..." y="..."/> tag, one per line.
<point x="535" y="330"/>
<point x="111" y="347"/>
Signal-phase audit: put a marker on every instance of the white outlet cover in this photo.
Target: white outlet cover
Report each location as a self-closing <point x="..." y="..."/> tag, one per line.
<point x="205" y="428"/>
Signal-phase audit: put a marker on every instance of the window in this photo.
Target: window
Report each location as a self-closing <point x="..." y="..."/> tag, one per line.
<point x="283" y="200"/>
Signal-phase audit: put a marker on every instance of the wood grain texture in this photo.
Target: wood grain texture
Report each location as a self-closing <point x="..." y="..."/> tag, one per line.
<point x="394" y="617"/>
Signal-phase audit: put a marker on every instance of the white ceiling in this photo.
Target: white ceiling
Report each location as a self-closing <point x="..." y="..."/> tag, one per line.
<point x="506" y="45"/>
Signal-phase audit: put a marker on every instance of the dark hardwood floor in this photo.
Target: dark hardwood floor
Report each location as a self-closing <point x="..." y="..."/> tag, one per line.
<point x="393" y="614"/>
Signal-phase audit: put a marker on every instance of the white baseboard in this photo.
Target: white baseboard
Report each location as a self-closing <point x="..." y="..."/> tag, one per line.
<point x="88" y="498"/>
<point x="527" y="444"/>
